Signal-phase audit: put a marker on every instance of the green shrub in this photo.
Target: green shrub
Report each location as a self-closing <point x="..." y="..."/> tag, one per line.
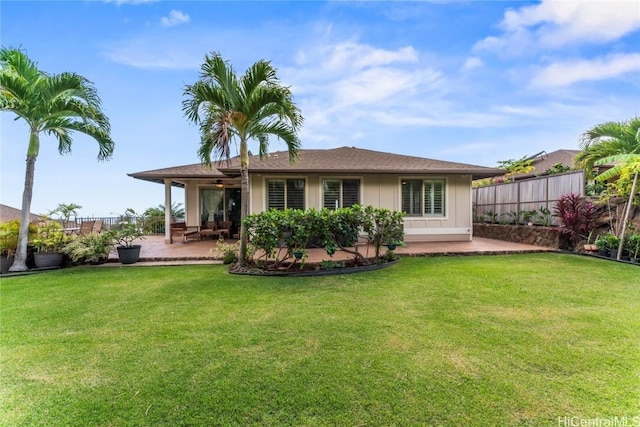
<point x="280" y="234"/>
<point x="9" y="232"/>
<point x="89" y="248"/>
<point x="50" y="237"/>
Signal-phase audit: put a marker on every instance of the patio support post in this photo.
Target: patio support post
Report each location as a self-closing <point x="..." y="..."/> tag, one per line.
<point x="167" y="211"/>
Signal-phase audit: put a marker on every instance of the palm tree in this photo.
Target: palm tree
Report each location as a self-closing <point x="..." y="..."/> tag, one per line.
<point x="66" y="210"/>
<point x="608" y="139"/>
<point x="55" y="104"/>
<point x="230" y="109"/>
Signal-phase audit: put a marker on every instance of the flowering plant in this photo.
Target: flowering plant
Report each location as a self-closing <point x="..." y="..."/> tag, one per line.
<point x="128" y="229"/>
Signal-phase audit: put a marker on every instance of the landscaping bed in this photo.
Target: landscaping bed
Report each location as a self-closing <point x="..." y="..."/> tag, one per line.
<point x="324" y="268"/>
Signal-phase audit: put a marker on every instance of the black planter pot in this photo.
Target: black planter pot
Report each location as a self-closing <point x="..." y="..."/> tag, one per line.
<point x="129" y="254"/>
<point x="48" y="259"/>
<point x="5" y="264"/>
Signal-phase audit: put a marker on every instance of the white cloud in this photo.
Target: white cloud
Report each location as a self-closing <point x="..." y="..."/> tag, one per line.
<point x="154" y="53"/>
<point x="570" y="72"/>
<point x="554" y="23"/>
<point x="472" y="63"/>
<point x="175" y="18"/>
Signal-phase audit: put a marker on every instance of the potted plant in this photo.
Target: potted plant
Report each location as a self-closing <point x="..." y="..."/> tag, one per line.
<point x="601" y="244"/>
<point x="590" y="247"/>
<point x="124" y="233"/>
<point x="633" y="247"/>
<point x="49" y="242"/>
<point x="92" y="248"/>
<point x="612" y="242"/>
<point x="8" y="243"/>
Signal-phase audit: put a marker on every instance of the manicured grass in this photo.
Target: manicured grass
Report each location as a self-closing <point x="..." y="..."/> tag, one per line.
<point x="501" y="340"/>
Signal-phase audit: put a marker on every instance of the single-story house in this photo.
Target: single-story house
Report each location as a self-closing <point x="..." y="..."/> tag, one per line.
<point x="435" y="194"/>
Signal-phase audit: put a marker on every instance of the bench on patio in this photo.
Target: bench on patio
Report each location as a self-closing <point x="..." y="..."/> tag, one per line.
<point x="181" y="230"/>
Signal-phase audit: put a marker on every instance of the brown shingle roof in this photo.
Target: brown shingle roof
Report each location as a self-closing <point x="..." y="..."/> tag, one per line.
<point x="195" y="171"/>
<point x="543" y="162"/>
<point x="7" y="213"/>
<point x="343" y="160"/>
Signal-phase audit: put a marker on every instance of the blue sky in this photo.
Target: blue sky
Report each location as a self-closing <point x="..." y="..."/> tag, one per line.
<point x="472" y="82"/>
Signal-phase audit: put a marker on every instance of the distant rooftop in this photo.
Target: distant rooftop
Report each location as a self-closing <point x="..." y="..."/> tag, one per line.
<point x="7" y="213"/>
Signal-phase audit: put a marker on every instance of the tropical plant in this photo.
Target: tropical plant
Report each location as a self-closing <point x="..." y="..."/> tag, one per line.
<point x="127" y="230"/>
<point x="89" y="248"/>
<point x="229" y="251"/>
<point x="227" y="108"/>
<point x="383" y="227"/>
<point x="576" y="216"/>
<point x="9" y="232"/>
<point x="528" y="216"/>
<point x="606" y="140"/>
<point x="515" y="167"/>
<point x="624" y="170"/>
<point x="626" y="167"/>
<point x="491" y="216"/>
<point x="557" y="168"/>
<point x="57" y="105"/>
<point x="65" y="210"/>
<point x="154" y="217"/>
<point x="49" y="237"/>
<point x="633" y="245"/>
<point x="177" y="212"/>
<point x="513" y="217"/>
<point x="544" y="216"/>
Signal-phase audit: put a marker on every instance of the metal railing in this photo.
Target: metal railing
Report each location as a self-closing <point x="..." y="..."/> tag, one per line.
<point x="149" y="225"/>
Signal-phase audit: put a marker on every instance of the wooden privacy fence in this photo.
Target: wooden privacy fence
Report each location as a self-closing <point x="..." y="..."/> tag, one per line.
<point x="527" y="195"/>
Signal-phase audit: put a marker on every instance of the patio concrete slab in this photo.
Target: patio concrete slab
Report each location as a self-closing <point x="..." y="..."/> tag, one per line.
<point x="155" y="251"/>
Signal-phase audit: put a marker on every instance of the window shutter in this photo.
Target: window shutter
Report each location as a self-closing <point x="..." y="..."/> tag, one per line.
<point x="412" y="197"/>
<point x="434" y="198"/>
<point x="295" y="194"/>
<point x="331" y="197"/>
<point x="275" y="194"/>
<point x="438" y="198"/>
<point x="350" y="192"/>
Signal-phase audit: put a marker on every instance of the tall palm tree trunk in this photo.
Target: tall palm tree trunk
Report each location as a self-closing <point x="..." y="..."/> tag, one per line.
<point x="20" y="260"/>
<point x="626" y="215"/>
<point x="244" y="197"/>
<point x="244" y="211"/>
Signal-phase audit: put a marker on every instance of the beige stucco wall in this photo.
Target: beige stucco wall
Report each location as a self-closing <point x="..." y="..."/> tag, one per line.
<point x="376" y="190"/>
<point x="384" y="191"/>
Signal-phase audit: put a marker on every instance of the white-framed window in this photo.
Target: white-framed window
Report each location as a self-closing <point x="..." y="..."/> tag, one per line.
<point x="340" y="193"/>
<point x="424" y="197"/>
<point x="285" y="193"/>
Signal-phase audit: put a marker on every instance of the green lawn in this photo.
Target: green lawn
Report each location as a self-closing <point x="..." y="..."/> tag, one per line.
<point x="494" y="340"/>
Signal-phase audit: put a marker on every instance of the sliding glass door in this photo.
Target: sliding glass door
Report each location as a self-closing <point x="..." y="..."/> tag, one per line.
<point x="211" y="205"/>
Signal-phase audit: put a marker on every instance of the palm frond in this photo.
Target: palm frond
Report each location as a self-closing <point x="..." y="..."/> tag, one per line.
<point x="622" y="161"/>
<point x="282" y="131"/>
<point x="218" y="72"/>
<point x="260" y="74"/>
<point x="216" y="136"/>
<point x="101" y="135"/>
<point x="16" y="63"/>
